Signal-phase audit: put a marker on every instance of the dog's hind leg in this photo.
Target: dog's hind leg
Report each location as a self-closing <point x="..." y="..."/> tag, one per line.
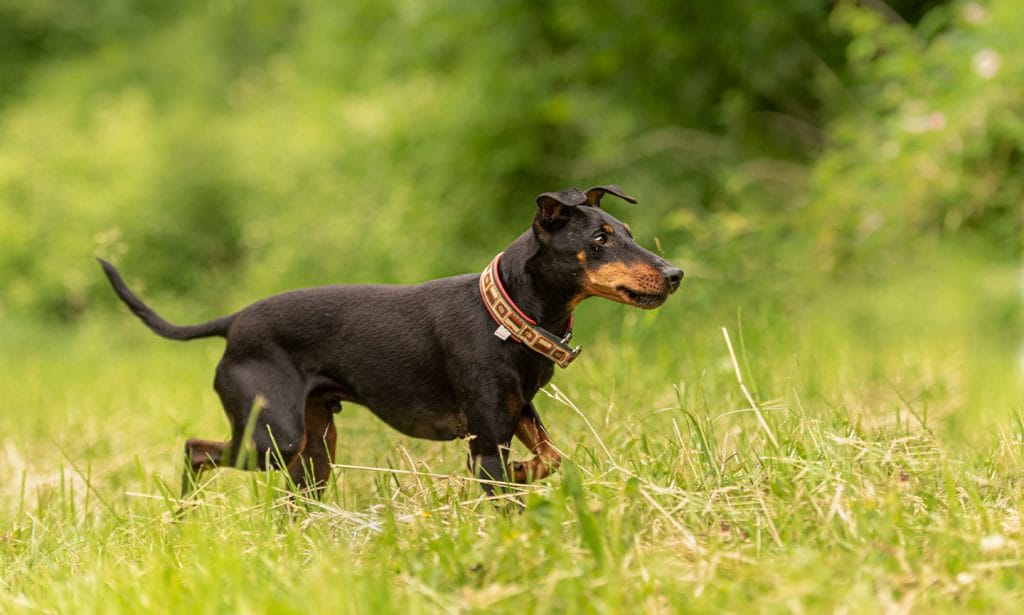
<point x="311" y="468"/>
<point x="200" y="455"/>
<point x="264" y="401"/>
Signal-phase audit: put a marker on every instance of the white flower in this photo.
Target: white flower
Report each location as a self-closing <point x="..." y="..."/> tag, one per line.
<point x="986" y="63"/>
<point x="974" y="13"/>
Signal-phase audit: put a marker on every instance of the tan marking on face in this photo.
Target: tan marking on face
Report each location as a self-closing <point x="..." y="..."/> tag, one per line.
<point x="609" y="280"/>
<point x="581" y="256"/>
<point x="607" y="228"/>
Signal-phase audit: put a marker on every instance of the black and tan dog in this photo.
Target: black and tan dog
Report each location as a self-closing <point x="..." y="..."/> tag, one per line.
<point x="459" y="357"/>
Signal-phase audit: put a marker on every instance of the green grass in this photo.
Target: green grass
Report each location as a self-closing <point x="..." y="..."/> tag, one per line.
<point x="895" y="482"/>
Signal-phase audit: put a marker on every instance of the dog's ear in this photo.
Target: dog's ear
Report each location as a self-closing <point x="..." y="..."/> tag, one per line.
<point x="552" y="208"/>
<point x="595" y="194"/>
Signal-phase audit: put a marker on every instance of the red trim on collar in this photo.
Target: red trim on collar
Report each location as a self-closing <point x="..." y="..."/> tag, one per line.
<point x="514" y="324"/>
<point x="496" y="272"/>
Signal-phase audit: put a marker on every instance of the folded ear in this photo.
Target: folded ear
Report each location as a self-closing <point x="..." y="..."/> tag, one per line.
<point x="551" y="207"/>
<point x="595" y="194"/>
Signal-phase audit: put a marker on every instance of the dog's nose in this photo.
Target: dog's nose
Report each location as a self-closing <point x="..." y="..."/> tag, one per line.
<point x="673" y="276"/>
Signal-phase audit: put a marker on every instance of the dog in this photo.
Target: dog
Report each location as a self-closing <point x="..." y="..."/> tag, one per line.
<point x="458" y="357"/>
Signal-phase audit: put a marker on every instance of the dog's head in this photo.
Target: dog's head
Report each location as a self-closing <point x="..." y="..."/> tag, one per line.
<point x="599" y="251"/>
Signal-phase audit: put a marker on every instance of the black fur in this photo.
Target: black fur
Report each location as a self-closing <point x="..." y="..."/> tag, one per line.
<point x="423" y="358"/>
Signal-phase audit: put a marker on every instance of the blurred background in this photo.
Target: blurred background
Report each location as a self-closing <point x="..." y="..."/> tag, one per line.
<point x="219" y="151"/>
<point x="841" y="180"/>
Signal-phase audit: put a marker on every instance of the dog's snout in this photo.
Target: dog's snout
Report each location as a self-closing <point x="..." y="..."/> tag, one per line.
<point x="673" y="276"/>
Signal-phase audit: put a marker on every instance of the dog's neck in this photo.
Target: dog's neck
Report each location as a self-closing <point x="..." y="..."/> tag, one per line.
<point x="525" y="271"/>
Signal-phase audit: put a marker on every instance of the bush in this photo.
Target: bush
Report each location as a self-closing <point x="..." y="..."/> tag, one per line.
<point x="931" y="142"/>
<point x="230" y="150"/>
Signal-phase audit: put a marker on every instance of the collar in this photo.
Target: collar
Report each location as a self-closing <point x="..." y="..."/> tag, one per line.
<point x="512" y="322"/>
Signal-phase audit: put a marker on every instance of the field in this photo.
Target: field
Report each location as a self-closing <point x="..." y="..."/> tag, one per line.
<point x="875" y="467"/>
<point x="828" y="417"/>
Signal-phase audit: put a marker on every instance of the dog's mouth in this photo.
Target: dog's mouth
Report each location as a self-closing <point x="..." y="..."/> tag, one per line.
<point x="645" y="301"/>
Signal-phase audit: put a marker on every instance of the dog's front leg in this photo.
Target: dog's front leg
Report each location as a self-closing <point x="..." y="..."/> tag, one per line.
<point x="488" y="461"/>
<point x="546" y="458"/>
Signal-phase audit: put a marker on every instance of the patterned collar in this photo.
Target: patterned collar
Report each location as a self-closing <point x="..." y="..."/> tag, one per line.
<point x="512" y="322"/>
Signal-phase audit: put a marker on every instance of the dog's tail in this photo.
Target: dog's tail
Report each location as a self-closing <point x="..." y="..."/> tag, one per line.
<point x="217" y="326"/>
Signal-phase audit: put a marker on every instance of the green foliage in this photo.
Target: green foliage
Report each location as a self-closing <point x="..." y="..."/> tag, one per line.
<point x="34" y="33"/>
<point x="933" y="141"/>
<point x="388" y="141"/>
<point x="277" y="145"/>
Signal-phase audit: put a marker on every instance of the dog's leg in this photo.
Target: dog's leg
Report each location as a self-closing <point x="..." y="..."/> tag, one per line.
<point x="311" y="469"/>
<point x="265" y="399"/>
<point x="488" y="461"/>
<point x="546" y="458"/>
<point x="200" y="455"/>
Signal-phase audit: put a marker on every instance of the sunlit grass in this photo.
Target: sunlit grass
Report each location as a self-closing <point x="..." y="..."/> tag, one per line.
<point x="889" y="479"/>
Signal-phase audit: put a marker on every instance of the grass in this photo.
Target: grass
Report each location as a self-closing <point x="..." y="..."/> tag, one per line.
<point x="874" y="466"/>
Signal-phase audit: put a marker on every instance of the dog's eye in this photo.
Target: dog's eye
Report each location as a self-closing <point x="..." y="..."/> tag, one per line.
<point x="601" y="239"/>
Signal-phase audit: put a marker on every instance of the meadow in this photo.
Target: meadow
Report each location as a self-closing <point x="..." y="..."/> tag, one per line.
<point x="827" y="417"/>
<point x="874" y="467"/>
